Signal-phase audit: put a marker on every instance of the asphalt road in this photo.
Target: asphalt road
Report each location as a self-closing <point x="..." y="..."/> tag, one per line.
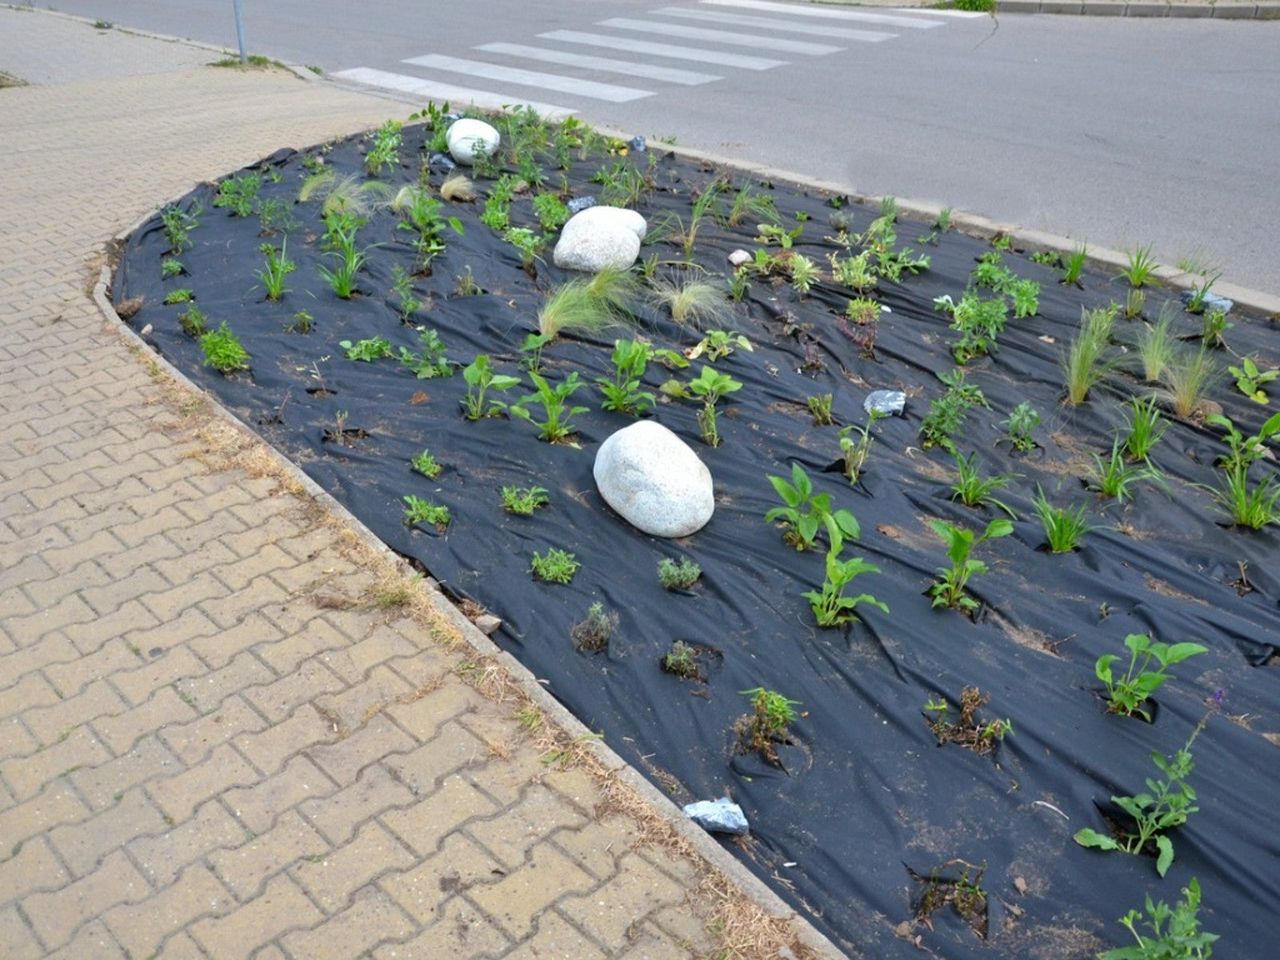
<point x="1114" y="131"/>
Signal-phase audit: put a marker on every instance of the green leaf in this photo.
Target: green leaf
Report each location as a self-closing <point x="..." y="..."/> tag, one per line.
<point x="1102" y="669"/>
<point x="1165" y="857"/>
<point x="1092" y="838"/>
<point x="1178" y="652"/>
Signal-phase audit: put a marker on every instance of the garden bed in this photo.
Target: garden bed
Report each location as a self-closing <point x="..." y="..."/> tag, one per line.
<point x="888" y="840"/>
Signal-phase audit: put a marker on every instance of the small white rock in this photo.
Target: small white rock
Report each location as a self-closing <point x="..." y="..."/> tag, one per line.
<point x="738" y="258"/>
<point x="468" y="137"/>
<point x="654" y="480"/>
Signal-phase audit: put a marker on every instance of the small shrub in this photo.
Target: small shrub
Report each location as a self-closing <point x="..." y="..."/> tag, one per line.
<point x="418" y="511"/>
<point x="551" y="212"/>
<point x="557" y="423"/>
<point x="622" y="394"/>
<point x="193" y="321"/>
<point x="239" y="194"/>
<point x="947" y="413"/>
<point x="593" y="632"/>
<point x="679" y="575"/>
<point x="425" y="464"/>
<point x="768" y="724"/>
<point x="523" y="501"/>
<point x="385" y="151"/>
<point x="1165" y="804"/>
<point x="223" y="351"/>
<point x="682" y="661"/>
<point x="555" y="566"/>
<point x="1173" y="932"/>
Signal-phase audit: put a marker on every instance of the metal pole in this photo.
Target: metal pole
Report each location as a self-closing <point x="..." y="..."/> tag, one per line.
<point x="240" y="31"/>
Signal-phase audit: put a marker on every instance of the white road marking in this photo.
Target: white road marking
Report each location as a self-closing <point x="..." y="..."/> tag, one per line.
<point x="456" y="96"/>
<point x="670" y="51"/>
<point x="720" y="36"/>
<point x="630" y="68"/>
<point x="935" y="12"/>
<point x="826" y="13"/>
<point x="530" y="78"/>
<point x="772" y="23"/>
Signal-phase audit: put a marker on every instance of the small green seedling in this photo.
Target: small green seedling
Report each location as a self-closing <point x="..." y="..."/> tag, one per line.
<point x="367" y="351"/>
<point x="947" y="413"/>
<point x="623" y="394"/>
<point x="418" y="511"/>
<point x="1022" y="420"/>
<point x="855" y="446"/>
<point x="557" y="425"/>
<point x="681" y="660"/>
<point x="277" y="269"/>
<point x="1251" y="381"/>
<point x="820" y="409"/>
<point x="1114" y="476"/>
<point x="830" y="606"/>
<point x="555" y="566"/>
<point x="718" y="344"/>
<point x="678" y="575"/>
<point x="1128" y="692"/>
<point x="239" y="194"/>
<point x="523" y="501"/>
<point x="1073" y="264"/>
<point x="710" y="386"/>
<point x="950" y="589"/>
<point x="178" y="226"/>
<point x="1144" y="429"/>
<point x="481" y="378"/>
<point x="193" y="321"/>
<point x="181" y="295"/>
<point x="171" y="267"/>
<point x="425" y="464"/>
<point x="805" y="513"/>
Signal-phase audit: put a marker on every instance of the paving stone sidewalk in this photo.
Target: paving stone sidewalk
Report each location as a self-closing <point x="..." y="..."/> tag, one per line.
<point x="220" y="737"/>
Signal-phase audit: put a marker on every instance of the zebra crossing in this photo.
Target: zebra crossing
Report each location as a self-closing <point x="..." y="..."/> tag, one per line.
<point x="659" y="48"/>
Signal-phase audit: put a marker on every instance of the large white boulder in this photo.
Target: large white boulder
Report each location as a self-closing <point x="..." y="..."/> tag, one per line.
<point x="468" y="137"/>
<point x="654" y="480"/>
<point x="600" y="237"/>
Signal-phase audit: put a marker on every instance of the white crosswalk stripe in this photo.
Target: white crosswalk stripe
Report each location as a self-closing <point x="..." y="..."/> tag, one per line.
<point x="827" y="13"/>
<point x="530" y="78"/>
<point x="631" y="68"/>
<point x="454" y="95"/>
<point x="662" y="49"/>
<point x="775" y="23"/>
<point x="723" y="35"/>
<point x="720" y="36"/>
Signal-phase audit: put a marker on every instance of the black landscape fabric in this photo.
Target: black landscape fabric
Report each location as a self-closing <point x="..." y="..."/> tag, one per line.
<point x="866" y="807"/>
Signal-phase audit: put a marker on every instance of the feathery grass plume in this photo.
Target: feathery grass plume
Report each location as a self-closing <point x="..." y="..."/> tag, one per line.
<point x="693" y="303"/>
<point x="589" y="306"/>
<point x="458" y="189"/>
<point x="346" y="195"/>
<point x="1084" y="363"/>
<point x="1188" y="380"/>
<point x="1157" y="346"/>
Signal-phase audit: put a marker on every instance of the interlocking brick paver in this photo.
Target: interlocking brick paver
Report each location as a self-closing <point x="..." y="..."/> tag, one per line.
<point x="333" y="878"/>
<point x="244" y="868"/>
<point x="199" y="755"/>
<point x="280" y="908"/>
<point x="371" y="918"/>
<point x="141" y="928"/>
<point x="57" y="915"/>
<point x="517" y="900"/>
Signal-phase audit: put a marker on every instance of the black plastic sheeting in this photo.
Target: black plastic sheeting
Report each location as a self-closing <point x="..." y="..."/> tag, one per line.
<point x="867" y="797"/>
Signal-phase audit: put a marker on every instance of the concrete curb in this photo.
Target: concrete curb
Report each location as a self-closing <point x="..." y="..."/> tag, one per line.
<point x="1227" y="10"/>
<point x="697" y="838"/>
<point x="302" y="73"/>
